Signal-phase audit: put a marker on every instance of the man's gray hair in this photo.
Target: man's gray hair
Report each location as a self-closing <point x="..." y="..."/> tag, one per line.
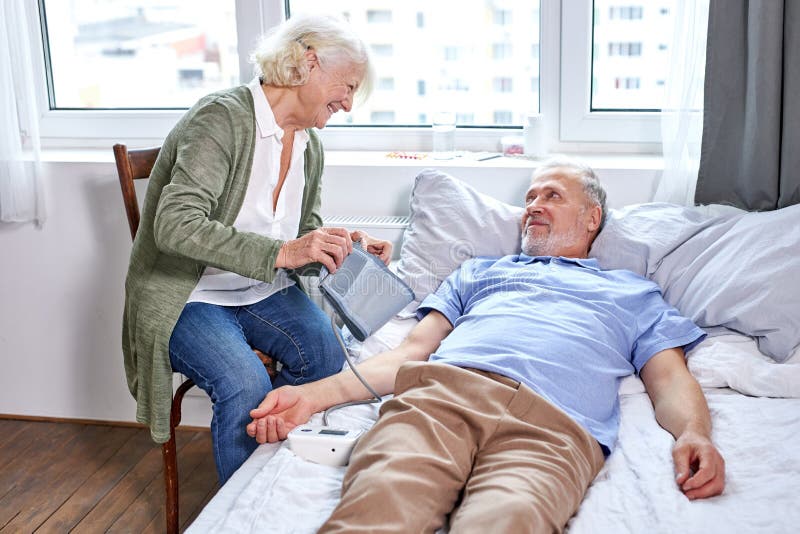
<point x="280" y="56"/>
<point x="591" y="183"/>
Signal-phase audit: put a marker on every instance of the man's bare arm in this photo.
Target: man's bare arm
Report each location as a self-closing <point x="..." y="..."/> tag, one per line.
<point x="289" y="406"/>
<point x="681" y="409"/>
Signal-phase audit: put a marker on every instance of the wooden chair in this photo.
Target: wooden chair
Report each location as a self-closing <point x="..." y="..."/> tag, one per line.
<point x="133" y="165"/>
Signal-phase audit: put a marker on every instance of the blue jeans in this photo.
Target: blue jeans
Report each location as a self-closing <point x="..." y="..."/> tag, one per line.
<point x="213" y="345"/>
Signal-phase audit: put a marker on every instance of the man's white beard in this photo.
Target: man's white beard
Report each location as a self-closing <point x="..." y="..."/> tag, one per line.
<point x="549" y="244"/>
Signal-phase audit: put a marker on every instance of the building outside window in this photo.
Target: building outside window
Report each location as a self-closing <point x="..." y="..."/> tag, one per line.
<point x="501" y="50"/>
<point x="626" y="71"/>
<point x="382" y="16"/>
<point x="502" y="17"/>
<point x="95" y="48"/>
<point x="624" y="49"/>
<point x="502" y="84"/>
<point x="385" y="84"/>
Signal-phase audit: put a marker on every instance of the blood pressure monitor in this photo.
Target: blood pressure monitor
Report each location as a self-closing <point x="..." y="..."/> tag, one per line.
<point x="324" y="445"/>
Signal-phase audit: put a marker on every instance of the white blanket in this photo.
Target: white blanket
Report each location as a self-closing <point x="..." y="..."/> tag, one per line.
<point x="275" y="491"/>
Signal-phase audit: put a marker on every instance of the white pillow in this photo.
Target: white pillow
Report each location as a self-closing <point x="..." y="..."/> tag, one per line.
<point x="451" y="222"/>
<point x="719" y="266"/>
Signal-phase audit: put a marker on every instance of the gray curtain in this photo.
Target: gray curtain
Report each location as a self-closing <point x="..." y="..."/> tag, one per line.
<point x="750" y="154"/>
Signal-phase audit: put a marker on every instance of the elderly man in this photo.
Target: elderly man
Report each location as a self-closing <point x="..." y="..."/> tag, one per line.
<point x="506" y="392"/>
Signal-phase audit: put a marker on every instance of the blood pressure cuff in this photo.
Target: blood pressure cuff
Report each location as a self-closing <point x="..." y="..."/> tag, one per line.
<point x="364" y="292"/>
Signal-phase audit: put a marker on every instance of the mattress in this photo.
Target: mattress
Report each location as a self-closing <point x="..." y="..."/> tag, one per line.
<point x="755" y="408"/>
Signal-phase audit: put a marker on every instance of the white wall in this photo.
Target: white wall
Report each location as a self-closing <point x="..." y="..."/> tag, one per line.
<point x="61" y="287"/>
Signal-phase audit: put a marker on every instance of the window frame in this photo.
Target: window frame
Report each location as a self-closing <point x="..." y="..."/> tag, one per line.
<point x="564" y="70"/>
<point x="578" y="122"/>
<point x="96" y="128"/>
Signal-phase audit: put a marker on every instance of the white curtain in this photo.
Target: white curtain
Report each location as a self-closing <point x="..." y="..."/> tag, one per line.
<point x="21" y="198"/>
<point x="682" y="116"/>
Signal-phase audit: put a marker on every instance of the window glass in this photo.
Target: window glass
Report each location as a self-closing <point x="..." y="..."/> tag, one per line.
<point x="480" y="68"/>
<point x="123" y="54"/>
<point x="630" y="54"/>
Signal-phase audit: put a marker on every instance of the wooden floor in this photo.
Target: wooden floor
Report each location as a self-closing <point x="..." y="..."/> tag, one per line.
<point x="61" y="477"/>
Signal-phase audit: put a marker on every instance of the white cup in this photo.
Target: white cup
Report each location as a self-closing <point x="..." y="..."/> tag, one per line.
<point x="444" y="135"/>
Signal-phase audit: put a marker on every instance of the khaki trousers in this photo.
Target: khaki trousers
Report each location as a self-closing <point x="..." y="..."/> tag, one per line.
<point x="479" y="445"/>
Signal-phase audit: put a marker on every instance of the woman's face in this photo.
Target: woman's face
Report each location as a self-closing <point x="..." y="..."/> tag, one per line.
<point x="329" y="89"/>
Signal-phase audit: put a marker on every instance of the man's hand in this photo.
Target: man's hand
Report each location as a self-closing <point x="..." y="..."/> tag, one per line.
<point x="289" y="406"/>
<point x="682" y="410"/>
<point x="328" y="246"/>
<point x="699" y="467"/>
<point x="378" y="247"/>
<point x="280" y="411"/>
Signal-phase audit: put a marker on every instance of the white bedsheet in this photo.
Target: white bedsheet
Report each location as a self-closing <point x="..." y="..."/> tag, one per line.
<point x="275" y="491"/>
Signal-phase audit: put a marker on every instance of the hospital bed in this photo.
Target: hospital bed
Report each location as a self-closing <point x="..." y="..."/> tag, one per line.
<point x="734" y="273"/>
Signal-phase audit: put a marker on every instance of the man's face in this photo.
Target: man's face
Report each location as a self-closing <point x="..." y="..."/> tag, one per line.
<point x="559" y="219"/>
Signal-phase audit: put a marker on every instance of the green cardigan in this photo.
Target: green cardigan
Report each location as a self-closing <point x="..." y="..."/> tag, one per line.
<point x="195" y="192"/>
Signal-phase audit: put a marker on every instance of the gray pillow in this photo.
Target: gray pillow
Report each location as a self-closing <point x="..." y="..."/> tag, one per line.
<point x="451" y="222"/>
<point x="719" y="266"/>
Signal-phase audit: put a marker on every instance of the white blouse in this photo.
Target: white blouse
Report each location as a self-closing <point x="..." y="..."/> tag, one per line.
<point x="230" y="289"/>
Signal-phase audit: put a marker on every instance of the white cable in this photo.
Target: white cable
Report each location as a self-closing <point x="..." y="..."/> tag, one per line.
<point x="358" y="375"/>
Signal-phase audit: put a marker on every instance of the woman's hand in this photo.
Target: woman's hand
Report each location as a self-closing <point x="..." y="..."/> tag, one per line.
<point x="328" y="246"/>
<point x="378" y="247"/>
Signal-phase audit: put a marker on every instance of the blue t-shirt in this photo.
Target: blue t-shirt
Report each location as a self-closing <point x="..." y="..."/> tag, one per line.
<point x="565" y="328"/>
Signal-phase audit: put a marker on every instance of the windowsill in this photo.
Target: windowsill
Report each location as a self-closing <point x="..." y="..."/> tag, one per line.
<point x="342" y="158"/>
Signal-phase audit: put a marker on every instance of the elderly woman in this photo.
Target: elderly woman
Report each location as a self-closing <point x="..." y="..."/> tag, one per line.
<point x="232" y="210"/>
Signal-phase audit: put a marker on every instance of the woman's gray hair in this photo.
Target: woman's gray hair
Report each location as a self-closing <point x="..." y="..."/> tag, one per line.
<point x="591" y="184"/>
<point x="280" y="56"/>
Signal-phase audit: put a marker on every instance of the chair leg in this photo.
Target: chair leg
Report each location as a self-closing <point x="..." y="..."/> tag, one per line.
<point x="169" y="453"/>
<point x="171" y="483"/>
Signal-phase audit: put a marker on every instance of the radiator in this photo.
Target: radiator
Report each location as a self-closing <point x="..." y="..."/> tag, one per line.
<point x="368" y="221"/>
<point x="388" y="227"/>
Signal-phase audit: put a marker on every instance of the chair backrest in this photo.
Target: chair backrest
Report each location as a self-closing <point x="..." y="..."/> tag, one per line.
<point x="133" y="165"/>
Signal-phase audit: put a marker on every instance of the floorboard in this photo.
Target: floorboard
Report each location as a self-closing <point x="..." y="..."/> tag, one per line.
<point x="75" y="477"/>
<point x="100" y="483"/>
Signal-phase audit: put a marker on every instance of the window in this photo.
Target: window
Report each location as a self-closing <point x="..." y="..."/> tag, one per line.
<point x="502" y="17"/>
<point x="382" y="50"/>
<point x="617" y="47"/>
<point x="383" y="16"/>
<point x="503" y="116"/>
<point x="385" y="84"/>
<point x="625" y="12"/>
<point x="626" y="83"/>
<point x="501" y="61"/>
<point x="625" y="75"/>
<point x="98" y="50"/>
<point x="457" y="84"/>
<point x="382" y="117"/>
<point x="465" y="118"/>
<point x="502" y="85"/>
<point x="438" y="65"/>
<point x="451" y="53"/>
<point x="501" y="50"/>
<point x="624" y="49"/>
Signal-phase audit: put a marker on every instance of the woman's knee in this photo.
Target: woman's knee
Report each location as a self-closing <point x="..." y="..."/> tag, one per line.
<point x="326" y="358"/>
<point x="244" y="385"/>
<point x="319" y="353"/>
